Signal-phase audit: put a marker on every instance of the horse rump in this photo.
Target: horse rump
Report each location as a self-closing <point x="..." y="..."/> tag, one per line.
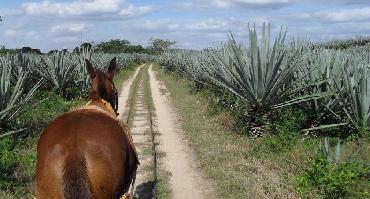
<point x="76" y="182"/>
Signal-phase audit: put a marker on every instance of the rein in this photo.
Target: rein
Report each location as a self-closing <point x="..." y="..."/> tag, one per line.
<point x="115" y="103"/>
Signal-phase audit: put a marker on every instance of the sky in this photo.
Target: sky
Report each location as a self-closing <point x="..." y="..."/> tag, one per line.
<point x="194" y="24"/>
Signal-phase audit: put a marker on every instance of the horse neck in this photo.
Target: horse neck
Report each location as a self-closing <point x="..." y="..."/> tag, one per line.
<point x="98" y="96"/>
<point x="102" y="105"/>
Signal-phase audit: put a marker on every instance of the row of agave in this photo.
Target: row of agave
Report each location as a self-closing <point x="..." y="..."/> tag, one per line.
<point x="345" y="44"/>
<point x="23" y="74"/>
<point x="270" y="75"/>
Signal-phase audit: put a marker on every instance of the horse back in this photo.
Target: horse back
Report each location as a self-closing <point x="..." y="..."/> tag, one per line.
<point x="87" y="153"/>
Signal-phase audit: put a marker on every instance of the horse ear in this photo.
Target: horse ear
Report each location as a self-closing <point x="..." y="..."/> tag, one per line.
<point x="90" y="69"/>
<point x="112" y="67"/>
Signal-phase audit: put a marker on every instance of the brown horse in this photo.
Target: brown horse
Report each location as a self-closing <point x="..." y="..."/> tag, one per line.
<point x="87" y="152"/>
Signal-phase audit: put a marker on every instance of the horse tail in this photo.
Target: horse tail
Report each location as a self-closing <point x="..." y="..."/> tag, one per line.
<point x="76" y="182"/>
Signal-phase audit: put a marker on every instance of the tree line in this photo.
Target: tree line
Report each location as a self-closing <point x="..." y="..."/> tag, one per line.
<point x="156" y="46"/>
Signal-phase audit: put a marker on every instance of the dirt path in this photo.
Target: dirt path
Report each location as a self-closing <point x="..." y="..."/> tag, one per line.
<point x="186" y="180"/>
<point x="140" y="131"/>
<point x="124" y="95"/>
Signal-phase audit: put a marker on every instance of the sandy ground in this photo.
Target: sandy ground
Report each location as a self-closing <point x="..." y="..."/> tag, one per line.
<point x="141" y="136"/>
<point x="124" y="95"/>
<point x="186" y="180"/>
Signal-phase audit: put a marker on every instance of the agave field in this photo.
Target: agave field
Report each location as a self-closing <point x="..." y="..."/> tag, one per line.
<point x="34" y="89"/>
<point x="329" y="82"/>
<point x="271" y="74"/>
<point x="22" y="75"/>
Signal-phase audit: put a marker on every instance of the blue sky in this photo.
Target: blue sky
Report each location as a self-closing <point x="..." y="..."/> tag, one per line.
<point x="196" y="24"/>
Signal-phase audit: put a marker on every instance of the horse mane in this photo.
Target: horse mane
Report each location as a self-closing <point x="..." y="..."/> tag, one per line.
<point x="95" y="95"/>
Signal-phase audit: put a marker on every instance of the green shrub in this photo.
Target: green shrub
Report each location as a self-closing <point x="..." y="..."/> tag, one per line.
<point x="335" y="180"/>
<point x="284" y="128"/>
<point x="8" y="161"/>
<point x="17" y="166"/>
<point x="18" y="152"/>
<point x="52" y="105"/>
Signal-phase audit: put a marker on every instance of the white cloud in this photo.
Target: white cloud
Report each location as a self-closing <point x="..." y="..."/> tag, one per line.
<point x="153" y="25"/>
<point x="344" y="2"/>
<point x="345" y="15"/>
<point x="75" y="8"/>
<point x="229" y="3"/>
<point x="12" y="33"/>
<point x="54" y="24"/>
<point x="136" y="10"/>
<point x="32" y="35"/>
<point x="170" y="25"/>
<point x="82" y="9"/>
<point x="236" y="3"/>
<point x="69" y="28"/>
<point x="210" y="24"/>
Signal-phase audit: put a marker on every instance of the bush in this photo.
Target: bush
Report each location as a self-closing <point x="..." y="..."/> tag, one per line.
<point x="18" y="152"/>
<point x="335" y="180"/>
<point x="17" y="166"/>
<point x="8" y="161"/>
<point x="284" y="127"/>
<point x="36" y="117"/>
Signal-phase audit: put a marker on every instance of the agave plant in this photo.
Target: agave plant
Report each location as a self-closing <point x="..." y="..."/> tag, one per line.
<point x="124" y="59"/>
<point x="193" y="68"/>
<point x="83" y="79"/>
<point x="188" y="63"/>
<point x="355" y="97"/>
<point x="24" y="62"/>
<point x="263" y="75"/>
<point x="324" y="67"/>
<point x="58" y="70"/>
<point x="12" y="96"/>
<point x="327" y="152"/>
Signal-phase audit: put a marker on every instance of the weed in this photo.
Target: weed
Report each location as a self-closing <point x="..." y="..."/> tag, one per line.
<point x="333" y="176"/>
<point x="18" y="152"/>
<point x="335" y="180"/>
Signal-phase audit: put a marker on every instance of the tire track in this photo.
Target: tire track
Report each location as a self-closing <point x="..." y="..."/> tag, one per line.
<point x="141" y="130"/>
<point x="123" y="107"/>
<point x="153" y="112"/>
<point x="186" y="180"/>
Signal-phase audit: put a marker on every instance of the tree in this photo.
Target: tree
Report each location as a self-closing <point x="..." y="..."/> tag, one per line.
<point x="52" y="51"/>
<point x="30" y="50"/>
<point x="135" y="49"/>
<point x="76" y="50"/>
<point x="86" y="45"/>
<point x="161" y="45"/>
<point x="113" y="46"/>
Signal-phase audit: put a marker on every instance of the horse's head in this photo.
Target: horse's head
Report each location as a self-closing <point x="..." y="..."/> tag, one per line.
<point x="102" y="85"/>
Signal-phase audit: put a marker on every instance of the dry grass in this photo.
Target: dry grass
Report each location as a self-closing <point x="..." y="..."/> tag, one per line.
<point x="227" y="157"/>
<point x="245" y="167"/>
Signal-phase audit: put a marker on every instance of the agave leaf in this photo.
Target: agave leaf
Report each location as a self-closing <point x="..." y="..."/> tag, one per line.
<point x="11" y="133"/>
<point x="12" y="95"/>
<point x="322" y="127"/>
<point x="338" y="151"/>
<point x="327" y="149"/>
